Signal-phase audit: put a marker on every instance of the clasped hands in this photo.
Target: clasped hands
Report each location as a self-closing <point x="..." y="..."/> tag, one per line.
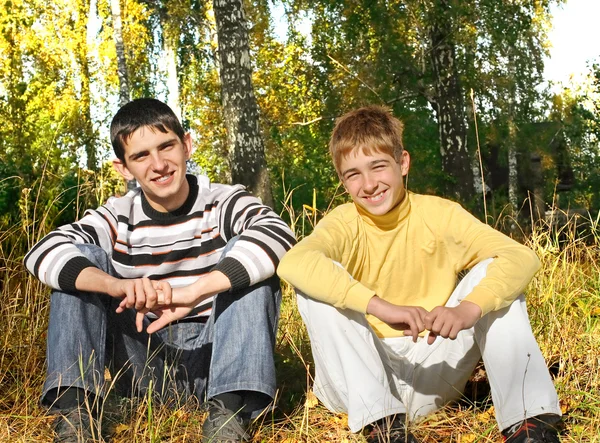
<point x="443" y="321"/>
<point x="145" y="295"/>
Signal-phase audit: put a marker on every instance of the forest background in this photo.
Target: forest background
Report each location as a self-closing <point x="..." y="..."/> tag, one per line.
<point x="259" y="85"/>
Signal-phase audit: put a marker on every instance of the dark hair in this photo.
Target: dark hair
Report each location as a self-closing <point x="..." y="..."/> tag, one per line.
<point x="367" y="128"/>
<point x="137" y="114"/>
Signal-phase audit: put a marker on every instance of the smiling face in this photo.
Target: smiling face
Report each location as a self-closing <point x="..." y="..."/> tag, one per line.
<point x="374" y="180"/>
<point x="157" y="160"/>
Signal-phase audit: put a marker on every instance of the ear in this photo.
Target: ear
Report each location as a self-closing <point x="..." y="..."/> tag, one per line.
<point x="405" y="163"/>
<point x="122" y="169"/>
<point x="188" y="146"/>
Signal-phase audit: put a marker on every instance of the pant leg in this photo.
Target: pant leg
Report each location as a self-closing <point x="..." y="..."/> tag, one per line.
<point x="85" y="334"/>
<point x="242" y="330"/>
<point x="519" y="379"/>
<point x="352" y="372"/>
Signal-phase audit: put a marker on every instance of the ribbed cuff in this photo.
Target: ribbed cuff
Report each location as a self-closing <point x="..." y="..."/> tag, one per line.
<point x="70" y="272"/>
<point x="235" y="272"/>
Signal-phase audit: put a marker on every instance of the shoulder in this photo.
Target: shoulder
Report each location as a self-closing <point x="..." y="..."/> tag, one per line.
<point x="344" y="217"/>
<point x="433" y="207"/>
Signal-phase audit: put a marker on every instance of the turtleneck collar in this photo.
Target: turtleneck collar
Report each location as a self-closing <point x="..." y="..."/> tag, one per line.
<point x="389" y="220"/>
<point x="185" y="208"/>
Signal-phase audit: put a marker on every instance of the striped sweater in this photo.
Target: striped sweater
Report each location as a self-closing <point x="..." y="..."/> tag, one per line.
<point x="178" y="246"/>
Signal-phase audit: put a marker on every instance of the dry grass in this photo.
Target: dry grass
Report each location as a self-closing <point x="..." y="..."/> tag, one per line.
<point x="563" y="300"/>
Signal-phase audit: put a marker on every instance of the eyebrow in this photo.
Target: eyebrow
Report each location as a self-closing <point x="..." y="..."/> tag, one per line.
<point x="371" y="165"/>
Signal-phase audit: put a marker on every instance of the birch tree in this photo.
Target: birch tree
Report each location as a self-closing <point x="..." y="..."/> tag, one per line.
<point x="240" y="110"/>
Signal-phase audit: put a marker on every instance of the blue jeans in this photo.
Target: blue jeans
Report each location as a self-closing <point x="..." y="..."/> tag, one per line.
<point x="232" y="351"/>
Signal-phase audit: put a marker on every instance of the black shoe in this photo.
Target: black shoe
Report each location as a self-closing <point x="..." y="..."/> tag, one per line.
<point x="75" y="426"/>
<point x="539" y="429"/>
<point x="223" y="425"/>
<point x="390" y="429"/>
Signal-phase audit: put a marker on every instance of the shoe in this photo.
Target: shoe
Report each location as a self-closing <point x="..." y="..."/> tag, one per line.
<point x="539" y="429"/>
<point x="75" y="426"/>
<point x="390" y="429"/>
<point x="223" y="425"/>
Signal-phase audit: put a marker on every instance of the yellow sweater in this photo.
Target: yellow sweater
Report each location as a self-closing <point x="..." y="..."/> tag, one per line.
<point x="409" y="256"/>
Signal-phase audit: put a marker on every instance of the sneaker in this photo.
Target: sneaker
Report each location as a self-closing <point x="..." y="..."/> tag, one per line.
<point x="75" y="426"/>
<point x="539" y="429"/>
<point x="390" y="429"/>
<point x="223" y="425"/>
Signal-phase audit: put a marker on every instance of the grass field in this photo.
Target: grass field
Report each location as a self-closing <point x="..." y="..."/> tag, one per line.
<point x="563" y="301"/>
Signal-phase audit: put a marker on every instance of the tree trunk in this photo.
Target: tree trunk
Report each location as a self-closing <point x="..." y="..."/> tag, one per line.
<point x="170" y="55"/>
<point x="449" y="106"/>
<point x="124" y="94"/>
<point x="244" y="140"/>
<point x="84" y="15"/>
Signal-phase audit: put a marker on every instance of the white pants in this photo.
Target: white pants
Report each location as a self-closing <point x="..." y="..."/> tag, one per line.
<point x="370" y="378"/>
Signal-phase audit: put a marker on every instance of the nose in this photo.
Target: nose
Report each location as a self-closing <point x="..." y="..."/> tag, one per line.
<point x="369" y="183"/>
<point x="158" y="162"/>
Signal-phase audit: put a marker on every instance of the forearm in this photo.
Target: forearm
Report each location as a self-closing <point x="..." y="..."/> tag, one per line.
<point x="95" y="280"/>
<point x="207" y="286"/>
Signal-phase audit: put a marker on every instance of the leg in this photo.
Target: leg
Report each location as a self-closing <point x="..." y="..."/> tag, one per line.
<point x="242" y="331"/>
<point x="520" y="382"/>
<point x="85" y="334"/>
<point x="519" y="377"/>
<point x="352" y="373"/>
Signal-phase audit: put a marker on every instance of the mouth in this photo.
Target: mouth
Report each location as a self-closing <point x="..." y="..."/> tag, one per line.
<point x="163" y="178"/>
<point x="376" y="197"/>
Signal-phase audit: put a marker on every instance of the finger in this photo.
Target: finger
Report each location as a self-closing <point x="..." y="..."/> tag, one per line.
<point x="429" y="319"/>
<point x="140" y="296"/>
<point x="167" y="292"/>
<point x="414" y="330"/>
<point x="446" y="330"/>
<point x="122" y="306"/>
<point x="454" y="332"/>
<point x="139" y="321"/>
<point x="431" y="338"/>
<point x="162" y="321"/>
<point x="130" y="295"/>
<point x="150" y="293"/>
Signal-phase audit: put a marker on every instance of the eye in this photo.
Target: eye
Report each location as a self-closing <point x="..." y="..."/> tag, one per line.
<point x="140" y="156"/>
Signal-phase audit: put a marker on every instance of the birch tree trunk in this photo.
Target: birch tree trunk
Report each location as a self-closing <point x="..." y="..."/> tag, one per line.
<point x="124" y="94"/>
<point x="244" y="139"/>
<point x="449" y="107"/>
<point x="513" y="176"/>
<point x="84" y="15"/>
<point x="170" y="54"/>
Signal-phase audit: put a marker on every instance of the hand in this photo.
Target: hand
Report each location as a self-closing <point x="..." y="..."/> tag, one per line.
<point x="448" y="322"/>
<point x="144" y="294"/>
<point x="410" y="319"/>
<point x="155" y="293"/>
<point x="166" y="315"/>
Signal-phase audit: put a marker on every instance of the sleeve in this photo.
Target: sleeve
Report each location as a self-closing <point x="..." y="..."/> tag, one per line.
<point x="470" y="241"/>
<point x="263" y="239"/>
<point x="57" y="262"/>
<point x="316" y="266"/>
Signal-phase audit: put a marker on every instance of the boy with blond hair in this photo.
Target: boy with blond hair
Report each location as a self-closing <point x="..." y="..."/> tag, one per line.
<point x="393" y="336"/>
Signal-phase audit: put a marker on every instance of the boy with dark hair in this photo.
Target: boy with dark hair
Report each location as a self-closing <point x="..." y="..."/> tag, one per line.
<point x="378" y="273"/>
<point x="178" y="250"/>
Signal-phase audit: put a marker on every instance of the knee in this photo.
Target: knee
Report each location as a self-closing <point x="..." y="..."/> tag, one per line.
<point x="98" y="256"/>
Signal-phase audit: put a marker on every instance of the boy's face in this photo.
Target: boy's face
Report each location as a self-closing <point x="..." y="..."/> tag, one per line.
<point x="375" y="182"/>
<point x="157" y="161"/>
